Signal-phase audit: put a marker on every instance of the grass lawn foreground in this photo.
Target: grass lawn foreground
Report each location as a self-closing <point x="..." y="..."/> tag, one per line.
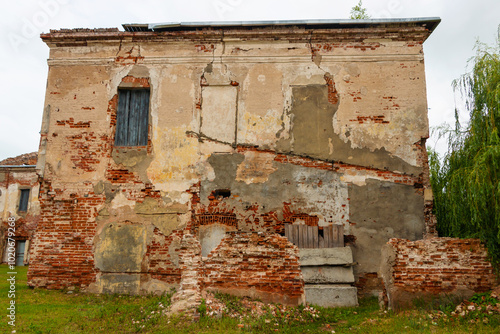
<point x="46" y="311"/>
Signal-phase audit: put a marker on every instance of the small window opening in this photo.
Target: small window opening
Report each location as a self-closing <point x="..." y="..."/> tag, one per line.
<point x="224" y="193"/>
<point x="23" y="200"/>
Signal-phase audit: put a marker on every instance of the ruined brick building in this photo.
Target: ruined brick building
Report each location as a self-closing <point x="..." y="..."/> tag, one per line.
<point x="166" y="143"/>
<point x="18" y="202"/>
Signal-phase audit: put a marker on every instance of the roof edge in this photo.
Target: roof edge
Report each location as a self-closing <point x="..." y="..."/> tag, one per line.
<point x="430" y="22"/>
<point x="296" y="30"/>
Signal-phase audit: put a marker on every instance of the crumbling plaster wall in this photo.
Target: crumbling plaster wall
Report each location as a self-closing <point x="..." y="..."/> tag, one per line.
<point x="12" y="180"/>
<point x="290" y="131"/>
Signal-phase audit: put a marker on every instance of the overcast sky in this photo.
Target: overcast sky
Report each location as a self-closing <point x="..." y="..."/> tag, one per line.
<point x="23" y="65"/>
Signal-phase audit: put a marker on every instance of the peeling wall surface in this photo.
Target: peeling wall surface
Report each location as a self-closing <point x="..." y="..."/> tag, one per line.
<point x="13" y="179"/>
<point x="249" y="128"/>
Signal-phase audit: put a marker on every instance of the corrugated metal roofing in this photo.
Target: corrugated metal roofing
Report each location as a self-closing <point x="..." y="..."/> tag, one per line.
<point x="135" y="27"/>
<point x="430" y="22"/>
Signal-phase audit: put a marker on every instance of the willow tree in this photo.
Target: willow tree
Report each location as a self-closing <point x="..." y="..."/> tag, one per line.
<point x="466" y="184"/>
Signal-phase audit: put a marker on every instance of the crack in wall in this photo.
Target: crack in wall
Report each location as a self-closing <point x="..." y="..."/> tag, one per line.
<point x="315" y="56"/>
<point x="337" y="165"/>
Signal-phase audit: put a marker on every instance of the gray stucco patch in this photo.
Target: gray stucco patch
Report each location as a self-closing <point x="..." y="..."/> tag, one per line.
<point x="312" y="120"/>
<point x="225" y="166"/>
<point x="210" y="237"/>
<point x="166" y="223"/>
<point x="314" y="191"/>
<point x="121" y="247"/>
<point x="379" y="211"/>
<point x="120" y="283"/>
<point x="151" y="206"/>
<point x="133" y="159"/>
<point x="313" y="134"/>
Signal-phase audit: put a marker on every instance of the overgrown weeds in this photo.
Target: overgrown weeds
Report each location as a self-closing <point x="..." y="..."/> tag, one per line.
<point x="42" y="311"/>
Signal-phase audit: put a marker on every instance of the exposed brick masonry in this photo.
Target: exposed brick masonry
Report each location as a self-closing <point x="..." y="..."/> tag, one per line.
<point x="62" y="254"/>
<point x="23" y="159"/>
<point x="259" y="264"/>
<point x="347" y="38"/>
<point x="162" y="266"/>
<point x="188" y="297"/>
<point x="437" y="266"/>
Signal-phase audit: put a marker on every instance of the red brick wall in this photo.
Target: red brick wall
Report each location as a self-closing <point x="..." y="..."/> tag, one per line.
<point x="161" y="265"/>
<point x="255" y="264"/>
<point x="62" y="253"/>
<point x="435" y="267"/>
<point x="23" y="159"/>
<point x="368" y="284"/>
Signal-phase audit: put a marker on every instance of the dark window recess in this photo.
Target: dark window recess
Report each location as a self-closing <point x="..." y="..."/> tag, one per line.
<point x="132" y="117"/>
<point x="224" y="193"/>
<point x="23" y="200"/>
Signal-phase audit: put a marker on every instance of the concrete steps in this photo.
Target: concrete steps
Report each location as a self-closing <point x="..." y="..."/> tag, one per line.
<point x="331" y="295"/>
<point x="328" y="276"/>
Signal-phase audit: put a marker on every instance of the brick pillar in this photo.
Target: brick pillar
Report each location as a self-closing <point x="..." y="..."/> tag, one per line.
<point x="188" y="298"/>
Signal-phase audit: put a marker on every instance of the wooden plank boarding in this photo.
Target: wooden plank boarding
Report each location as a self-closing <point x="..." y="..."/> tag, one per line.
<point x="310" y="236"/>
<point x="290" y="234"/>
<point x="304" y="236"/>
<point x="315" y="237"/>
<point x="326" y="237"/>
<point x="295" y="229"/>
<point x="329" y="232"/>
<point x="321" y="241"/>
<point x="338" y="236"/>
<point x="331" y="236"/>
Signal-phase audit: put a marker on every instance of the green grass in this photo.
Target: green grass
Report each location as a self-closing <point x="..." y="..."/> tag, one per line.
<point x="44" y="311"/>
